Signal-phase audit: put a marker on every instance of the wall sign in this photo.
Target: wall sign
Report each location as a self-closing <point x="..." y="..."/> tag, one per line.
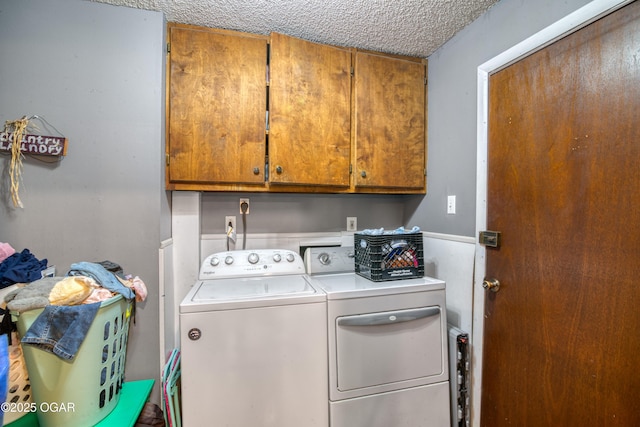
<point x="16" y="139"/>
<point x="36" y="144"/>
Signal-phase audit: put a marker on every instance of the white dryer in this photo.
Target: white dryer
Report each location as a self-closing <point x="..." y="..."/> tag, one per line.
<point x="387" y="352"/>
<point x="254" y="344"/>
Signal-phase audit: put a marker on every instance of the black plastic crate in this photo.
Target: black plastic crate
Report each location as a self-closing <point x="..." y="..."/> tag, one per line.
<point x="389" y="256"/>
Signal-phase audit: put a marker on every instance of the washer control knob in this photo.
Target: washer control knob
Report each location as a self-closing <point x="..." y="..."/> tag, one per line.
<point x="214" y="261"/>
<point x="228" y="260"/>
<point x="253" y="258"/>
<point x="277" y="257"/>
<point x="324" y="258"/>
<point x="290" y="257"/>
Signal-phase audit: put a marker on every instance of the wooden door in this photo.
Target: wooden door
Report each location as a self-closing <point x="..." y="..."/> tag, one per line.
<point x="309" y="113"/>
<point x="561" y="341"/>
<point x="216" y="106"/>
<point x="390" y="121"/>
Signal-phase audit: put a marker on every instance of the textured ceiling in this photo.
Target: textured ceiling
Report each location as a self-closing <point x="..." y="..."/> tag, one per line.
<point x="409" y="27"/>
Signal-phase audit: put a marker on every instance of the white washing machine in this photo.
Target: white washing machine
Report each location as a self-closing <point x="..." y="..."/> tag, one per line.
<point x="254" y="343"/>
<point x="388" y="358"/>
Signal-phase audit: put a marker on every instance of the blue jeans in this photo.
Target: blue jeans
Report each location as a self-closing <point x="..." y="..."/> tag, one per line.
<point x="61" y="329"/>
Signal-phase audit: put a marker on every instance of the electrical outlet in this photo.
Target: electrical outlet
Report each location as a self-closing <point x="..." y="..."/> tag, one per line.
<point x="244" y="201"/>
<point x="227" y="220"/>
<point x="451" y="205"/>
<point x="352" y="223"/>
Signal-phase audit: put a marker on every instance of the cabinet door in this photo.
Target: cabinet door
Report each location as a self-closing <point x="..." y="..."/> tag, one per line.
<point x="309" y="113"/>
<point x="390" y="117"/>
<point x="216" y="106"/>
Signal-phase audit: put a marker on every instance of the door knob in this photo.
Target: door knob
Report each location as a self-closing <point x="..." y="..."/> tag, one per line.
<point x="492" y="285"/>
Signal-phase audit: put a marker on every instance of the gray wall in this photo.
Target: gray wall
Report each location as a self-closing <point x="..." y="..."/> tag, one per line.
<point x="287" y="213"/>
<point x="95" y="72"/>
<point x="451" y="166"/>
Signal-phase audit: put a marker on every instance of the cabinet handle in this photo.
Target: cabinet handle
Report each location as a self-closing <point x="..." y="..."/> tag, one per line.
<point x="256" y="170"/>
<point x="363" y="174"/>
<point x="278" y="169"/>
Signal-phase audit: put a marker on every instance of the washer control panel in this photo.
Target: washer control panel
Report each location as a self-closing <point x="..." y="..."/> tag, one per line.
<point x="248" y="263"/>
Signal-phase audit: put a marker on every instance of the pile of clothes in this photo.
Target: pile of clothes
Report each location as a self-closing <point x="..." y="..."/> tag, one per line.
<point x="18" y="267"/>
<point x="70" y="304"/>
<point x="85" y="283"/>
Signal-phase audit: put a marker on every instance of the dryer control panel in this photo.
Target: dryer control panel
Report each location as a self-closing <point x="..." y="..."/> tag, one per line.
<point x="329" y="260"/>
<point x="248" y="263"/>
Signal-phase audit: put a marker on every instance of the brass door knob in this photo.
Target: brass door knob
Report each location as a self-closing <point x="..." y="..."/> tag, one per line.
<point x="492" y="285"/>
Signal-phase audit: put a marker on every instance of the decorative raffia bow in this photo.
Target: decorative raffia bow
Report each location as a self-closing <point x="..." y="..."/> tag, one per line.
<point x="17" y="129"/>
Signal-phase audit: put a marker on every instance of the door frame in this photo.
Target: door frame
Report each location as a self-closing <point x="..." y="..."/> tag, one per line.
<point x="567" y="25"/>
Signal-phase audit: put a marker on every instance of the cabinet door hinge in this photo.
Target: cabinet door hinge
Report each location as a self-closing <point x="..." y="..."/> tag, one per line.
<point x="350" y="168"/>
<point x="268" y="77"/>
<point x="166" y="158"/>
<point x="352" y="72"/>
<point x="168" y="47"/>
<point x="425" y="81"/>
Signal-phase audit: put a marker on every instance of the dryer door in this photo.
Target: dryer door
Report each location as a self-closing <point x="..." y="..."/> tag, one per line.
<point x="389" y="347"/>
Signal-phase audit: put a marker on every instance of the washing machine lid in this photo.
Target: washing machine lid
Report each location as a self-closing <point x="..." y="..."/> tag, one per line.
<point x="244" y="292"/>
<point x="351" y="285"/>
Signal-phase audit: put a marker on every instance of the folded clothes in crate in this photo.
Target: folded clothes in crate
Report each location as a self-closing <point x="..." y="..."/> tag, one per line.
<point x="381" y="231"/>
<point x="395" y="255"/>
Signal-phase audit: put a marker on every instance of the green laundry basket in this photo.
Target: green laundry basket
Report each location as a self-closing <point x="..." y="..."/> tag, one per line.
<point x="81" y="392"/>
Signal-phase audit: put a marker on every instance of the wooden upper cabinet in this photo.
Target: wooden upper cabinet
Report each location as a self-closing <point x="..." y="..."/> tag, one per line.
<point x="309" y="113"/>
<point x="390" y="123"/>
<point x="238" y="103"/>
<point x="216" y="107"/>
